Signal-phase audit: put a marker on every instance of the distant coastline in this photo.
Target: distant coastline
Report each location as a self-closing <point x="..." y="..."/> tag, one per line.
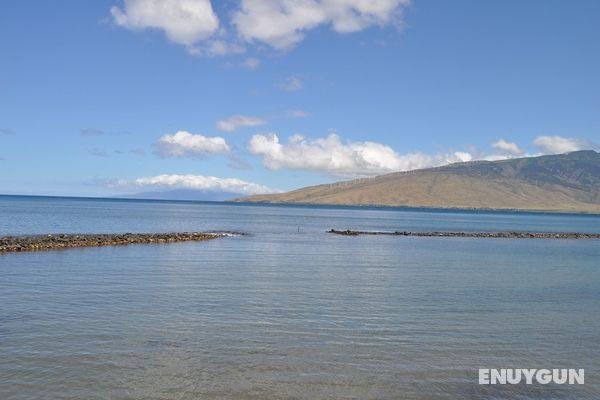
<point x="235" y="202"/>
<point x="489" y="210"/>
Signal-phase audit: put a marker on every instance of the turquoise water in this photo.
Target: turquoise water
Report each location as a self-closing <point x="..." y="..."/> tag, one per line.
<point x="289" y="311"/>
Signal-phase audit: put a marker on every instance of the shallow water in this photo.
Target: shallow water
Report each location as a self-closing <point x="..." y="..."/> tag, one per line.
<point x="289" y="311"/>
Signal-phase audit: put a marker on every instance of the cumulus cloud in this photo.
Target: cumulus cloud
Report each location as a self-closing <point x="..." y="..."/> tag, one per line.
<point x="331" y="156"/>
<point x="507" y="148"/>
<point x="185" y="144"/>
<point x="280" y="24"/>
<point x="185" y="22"/>
<point x="283" y="23"/>
<point x="559" y="144"/>
<point x="235" y="122"/>
<point x="199" y="182"/>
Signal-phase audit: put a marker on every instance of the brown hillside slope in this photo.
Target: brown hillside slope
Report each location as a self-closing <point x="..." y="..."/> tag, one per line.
<point x="564" y="182"/>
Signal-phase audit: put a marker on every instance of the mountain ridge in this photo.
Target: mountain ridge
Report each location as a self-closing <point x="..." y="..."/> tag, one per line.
<point x="568" y="182"/>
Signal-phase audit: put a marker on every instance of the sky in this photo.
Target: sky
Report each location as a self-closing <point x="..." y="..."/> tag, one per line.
<point x="113" y="97"/>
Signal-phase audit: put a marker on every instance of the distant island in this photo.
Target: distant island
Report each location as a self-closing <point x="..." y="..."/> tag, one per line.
<point x="567" y="182"/>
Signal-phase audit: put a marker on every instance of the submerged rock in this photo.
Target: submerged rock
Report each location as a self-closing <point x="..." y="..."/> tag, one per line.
<point x="509" y="235"/>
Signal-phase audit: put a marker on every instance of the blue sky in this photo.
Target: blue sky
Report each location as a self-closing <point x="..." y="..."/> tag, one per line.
<point x="247" y="96"/>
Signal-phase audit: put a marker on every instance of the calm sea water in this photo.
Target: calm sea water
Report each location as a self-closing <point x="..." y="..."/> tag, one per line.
<point x="289" y="311"/>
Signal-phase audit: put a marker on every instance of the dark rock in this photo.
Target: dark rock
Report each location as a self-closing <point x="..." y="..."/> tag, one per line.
<point x="508" y="235"/>
<point x="62" y="241"/>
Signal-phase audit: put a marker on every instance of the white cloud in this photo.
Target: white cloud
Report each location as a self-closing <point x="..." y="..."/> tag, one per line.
<point x="283" y="23"/>
<point x="184" y="22"/>
<point x="199" y="182"/>
<point x="331" y="156"/>
<point x="236" y="122"/>
<point x="507" y="148"/>
<point x="291" y="84"/>
<point x="559" y="144"/>
<point x="280" y="24"/>
<point x="457" y="156"/>
<point x="185" y="144"/>
<point x="299" y="114"/>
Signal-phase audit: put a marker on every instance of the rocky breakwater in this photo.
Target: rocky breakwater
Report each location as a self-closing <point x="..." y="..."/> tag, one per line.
<point x="65" y="241"/>
<point x="508" y="235"/>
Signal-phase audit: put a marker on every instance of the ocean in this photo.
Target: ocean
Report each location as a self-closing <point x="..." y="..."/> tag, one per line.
<point x="288" y="311"/>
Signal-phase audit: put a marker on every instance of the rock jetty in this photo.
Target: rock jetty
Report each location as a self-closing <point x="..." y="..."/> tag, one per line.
<point x="508" y="235"/>
<point x="65" y="241"/>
